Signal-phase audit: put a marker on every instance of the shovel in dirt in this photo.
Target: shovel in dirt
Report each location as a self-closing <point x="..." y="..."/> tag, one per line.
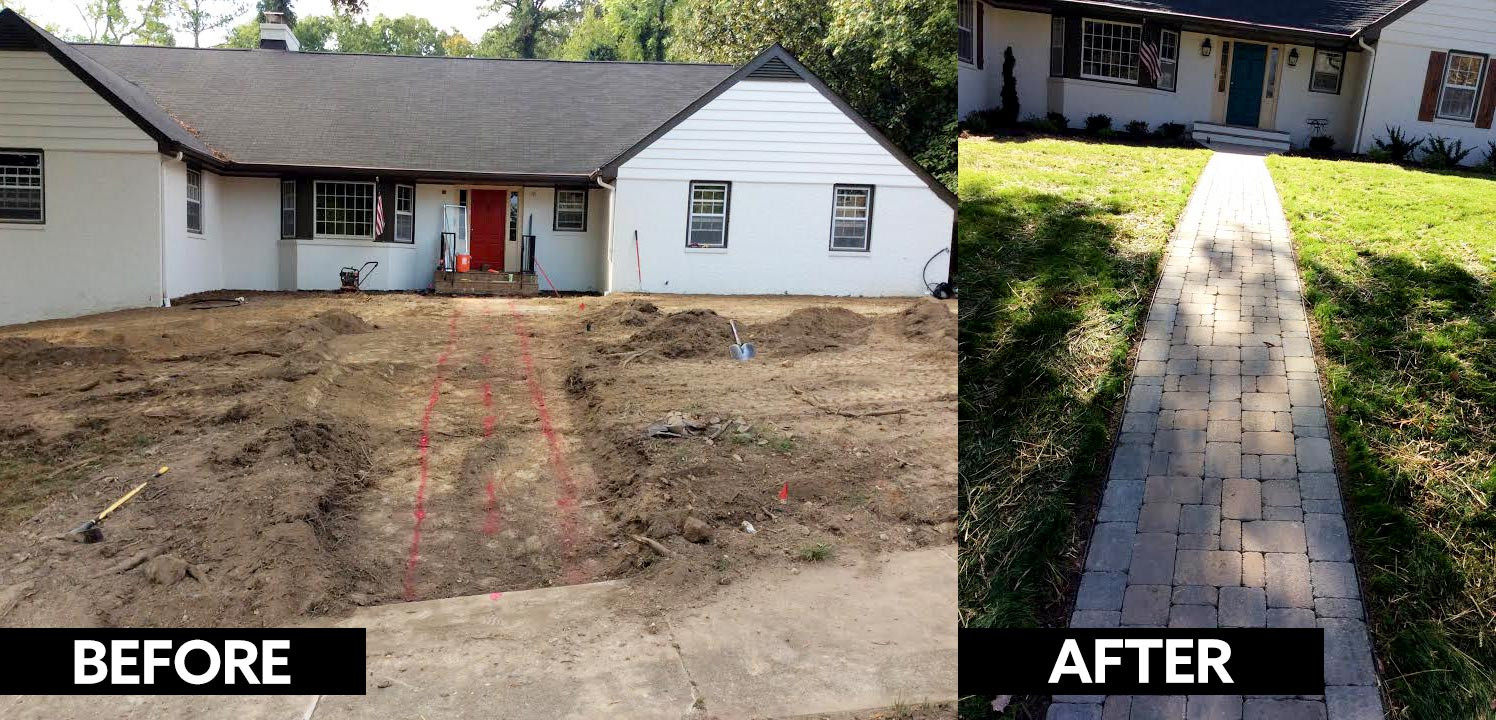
<point x="93" y="530"/>
<point x="740" y="349"/>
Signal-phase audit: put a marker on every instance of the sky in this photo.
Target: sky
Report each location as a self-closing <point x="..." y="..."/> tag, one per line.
<point x="445" y="14"/>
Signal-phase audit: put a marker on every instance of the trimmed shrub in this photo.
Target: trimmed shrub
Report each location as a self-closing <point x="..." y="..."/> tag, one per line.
<point x="1321" y="144"/>
<point x="1171" y="131"/>
<point x="1059" y="120"/>
<point x="1398" y="147"/>
<point x="1096" y="123"/>
<point x="1136" y="128"/>
<point x="1444" y="153"/>
<point x="1009" y="107"/>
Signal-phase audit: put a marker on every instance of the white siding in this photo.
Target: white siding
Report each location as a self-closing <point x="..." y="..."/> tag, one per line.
<point x="770" y="132"/>
<point x="100" y="248"/>
<point x="1402" y="61"/>
<point x="1028" y="34"/>
<point x="45" y="105"/>
<point x="1190" y="101"/>
<point x="783" y="146"/>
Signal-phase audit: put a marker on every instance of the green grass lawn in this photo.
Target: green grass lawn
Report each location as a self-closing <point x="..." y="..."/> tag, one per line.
<point x="1059" y="247"/>
<point x="1398" y="266"/>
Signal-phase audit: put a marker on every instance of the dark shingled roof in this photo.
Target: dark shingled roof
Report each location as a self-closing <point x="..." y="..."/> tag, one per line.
<point x="453" y="115"/>
<point x="1339" y="17"/>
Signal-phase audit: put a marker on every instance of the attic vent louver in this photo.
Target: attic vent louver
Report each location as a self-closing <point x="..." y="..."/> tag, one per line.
<point x="774" y="69"/>
<point x="12" y="38"/>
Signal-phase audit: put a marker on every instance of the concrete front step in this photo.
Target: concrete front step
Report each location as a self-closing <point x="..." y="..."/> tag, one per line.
<point x="1215" y="133"/>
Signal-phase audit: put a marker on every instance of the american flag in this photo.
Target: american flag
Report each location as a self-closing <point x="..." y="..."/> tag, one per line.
<point x="1148" y="56"/>
<point x="378" y="214"/>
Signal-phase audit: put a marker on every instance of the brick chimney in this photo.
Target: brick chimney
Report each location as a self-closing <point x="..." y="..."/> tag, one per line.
<point x="275" y="34"/>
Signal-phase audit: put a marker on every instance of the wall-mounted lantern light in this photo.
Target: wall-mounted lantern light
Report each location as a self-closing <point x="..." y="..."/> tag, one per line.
<point x="1293" y="57"/>
<point x="1205" y="48"/>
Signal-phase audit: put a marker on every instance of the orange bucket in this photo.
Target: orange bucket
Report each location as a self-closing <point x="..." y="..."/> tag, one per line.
<point x="464" y="263"/>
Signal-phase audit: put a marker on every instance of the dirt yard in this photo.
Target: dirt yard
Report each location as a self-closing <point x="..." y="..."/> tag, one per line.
<point x="329" y="451"/>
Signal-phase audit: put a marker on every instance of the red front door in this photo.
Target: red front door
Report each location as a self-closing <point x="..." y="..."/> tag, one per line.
<point x="487" y="212"/>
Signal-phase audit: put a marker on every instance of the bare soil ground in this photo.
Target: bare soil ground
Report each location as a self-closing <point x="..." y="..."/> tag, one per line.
<point x="329" y="451"/>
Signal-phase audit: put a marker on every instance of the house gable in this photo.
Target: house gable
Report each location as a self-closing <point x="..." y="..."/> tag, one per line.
<point x="772" y="120"/>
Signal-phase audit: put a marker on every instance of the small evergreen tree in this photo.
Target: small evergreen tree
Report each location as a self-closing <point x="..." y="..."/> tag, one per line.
<point x="1008" y="112"/>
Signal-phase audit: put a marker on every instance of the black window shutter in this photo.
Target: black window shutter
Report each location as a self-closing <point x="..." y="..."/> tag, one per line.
<point x="304" y="211"/>
<point x="981" y="42"/>
<point x="1072" y="45"/>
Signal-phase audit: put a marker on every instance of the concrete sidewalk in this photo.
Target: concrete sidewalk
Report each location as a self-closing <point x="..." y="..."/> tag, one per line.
<point x="1222" y="506"/>
<point x="831" y="638"/>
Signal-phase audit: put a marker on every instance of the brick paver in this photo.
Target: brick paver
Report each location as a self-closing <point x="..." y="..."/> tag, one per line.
<point x="1222" y="506"/>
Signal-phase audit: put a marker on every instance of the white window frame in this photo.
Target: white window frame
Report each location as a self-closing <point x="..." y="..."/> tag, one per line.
<point x="1314" y="73"/>
<point x="1165" y="61"/>
<point x="692" y="214"/>
<point x="288" y="211"/>
<point x="194" y="201"/>
<point x="317" y="209"/>
<point x="572" y="207"/>
<point x="1445" y="85"/>
<point x="866" y="219"/>
<point x="408" y="214"/>
<point x="13" y="178"/>
<point x="1057" y="46"/>
<point x="1085" y="47"/>
<point x="966" y="30"/>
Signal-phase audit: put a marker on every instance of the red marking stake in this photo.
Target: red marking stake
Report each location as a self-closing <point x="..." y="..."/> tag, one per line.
<point x="567" y="502"/>
<point x="784" y="493"/>
<point x="424" y="473"/>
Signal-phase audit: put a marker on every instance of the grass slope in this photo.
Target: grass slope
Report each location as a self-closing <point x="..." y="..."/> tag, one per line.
<point x="1059" y="247"/>
<point x="1398" y="266"/>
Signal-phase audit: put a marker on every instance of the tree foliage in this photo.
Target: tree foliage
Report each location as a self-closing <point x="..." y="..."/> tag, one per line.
<point x="113" y="23"/>
<point x="340" y="32"/>
<point x="529" y="28"/>
<point x="196" y="17"/>
<point x="621" y="30"/>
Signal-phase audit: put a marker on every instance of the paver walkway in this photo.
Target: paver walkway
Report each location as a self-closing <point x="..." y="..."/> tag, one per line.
<point x="1222" y="508"/>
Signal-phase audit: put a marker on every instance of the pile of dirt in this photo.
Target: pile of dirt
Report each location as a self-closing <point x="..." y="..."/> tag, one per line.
<point x="633" y="313"/>
<point x="322" y="326"/>
<point x="684" y="334"/>
<point x="928" y="321"/>
<point x="812" y="329"/>
<point x="20" y="355"/>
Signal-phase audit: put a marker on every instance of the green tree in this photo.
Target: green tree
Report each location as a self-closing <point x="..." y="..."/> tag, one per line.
<point x="621" y="30"/>
<point x="529" y="28"/>
<point x="341" y="32"/>
<point x="196" y="17"/>
<point x="281" y="6"/>
<point x="111" y="23"/>
<point x="457" y="45"/>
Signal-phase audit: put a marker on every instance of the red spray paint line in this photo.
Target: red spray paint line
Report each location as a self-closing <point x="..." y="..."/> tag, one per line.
<point x="784" y="493"/>
<point x="425" y="458"/>
<point x="491" y="508"/>
<point x="568" y="489"/>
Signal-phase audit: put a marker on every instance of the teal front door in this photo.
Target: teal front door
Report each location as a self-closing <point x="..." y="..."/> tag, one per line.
<point x="1244" y="100"/>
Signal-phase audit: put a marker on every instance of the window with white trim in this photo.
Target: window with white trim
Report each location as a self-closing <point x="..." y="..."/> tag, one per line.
<point x="288" y="208"/>
<point x="571" y="210"/>
<point x="1461" y="83"/>
<point x="852" y="217"/>
<point x="1168" y="59"/>
<point x="1329" y="66"/>
<point x="966" y="33"/>
<point x="1056" y="46"/>
<point x="1109" y="50"/>
<point x="194" y="201"/>
<point x="405" y="213"/>
<point x="343" y="209"/>
<point x="21" y="187"/>
<point x="708" y="221"/>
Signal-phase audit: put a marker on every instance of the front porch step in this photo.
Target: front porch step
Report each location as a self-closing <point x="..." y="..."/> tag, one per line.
<point x="1216" y="133"/>
<point x="486" y="283"/>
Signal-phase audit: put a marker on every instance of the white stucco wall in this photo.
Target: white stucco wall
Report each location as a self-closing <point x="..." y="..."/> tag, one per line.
<point x="1028" y="34"/>
<point x="194" y="261"/>
<point x="783" y="146"/>
<point x="1297" y="103"/>
<point x="1402" y="61"/>
<point x="572" y="260"/>
<point x="1190" y="101"/>
<point x="99" y="248"/>
<point x="248" y="213"/>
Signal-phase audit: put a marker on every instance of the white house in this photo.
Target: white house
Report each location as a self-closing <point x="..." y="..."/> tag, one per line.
<point x="130" y="175"/>
<point x="1271" y="74"/>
